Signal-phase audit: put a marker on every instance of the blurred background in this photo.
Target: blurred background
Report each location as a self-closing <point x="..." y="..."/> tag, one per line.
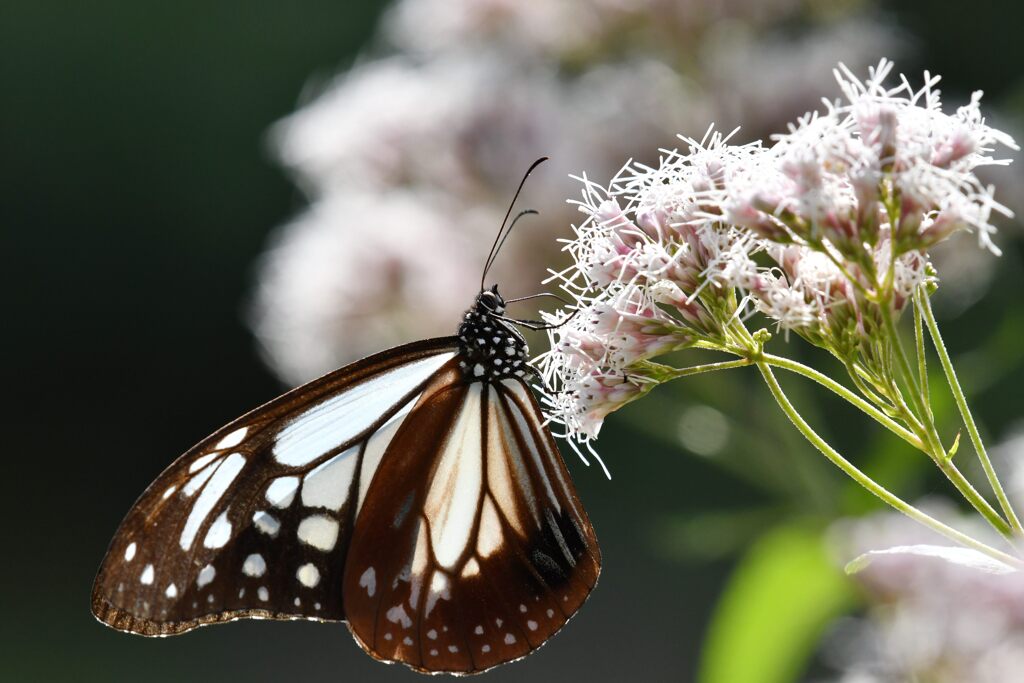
<point x="204" y="203"/>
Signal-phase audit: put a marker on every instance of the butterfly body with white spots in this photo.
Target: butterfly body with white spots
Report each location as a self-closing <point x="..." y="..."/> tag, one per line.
<point x="415" y="494"/>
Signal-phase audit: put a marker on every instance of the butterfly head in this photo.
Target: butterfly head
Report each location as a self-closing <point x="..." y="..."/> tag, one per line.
<point x="491" y="347"/>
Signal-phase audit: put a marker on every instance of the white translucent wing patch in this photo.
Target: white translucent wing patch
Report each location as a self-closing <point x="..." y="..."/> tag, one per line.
<point x="226" y="472"/>
<point x="528" y="426"/>
<point x="507" y="478"/>
<point x="329" y="484"/>
<point x="339" y="419"/>
<point x="451" y="503"/>
<point x="376" y="446"/>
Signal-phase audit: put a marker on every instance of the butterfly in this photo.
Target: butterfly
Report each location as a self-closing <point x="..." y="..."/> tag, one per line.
<point x="415" y="494"/>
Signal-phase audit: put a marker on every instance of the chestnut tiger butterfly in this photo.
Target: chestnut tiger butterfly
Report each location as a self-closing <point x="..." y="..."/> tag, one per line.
<point x="415" y="494"/>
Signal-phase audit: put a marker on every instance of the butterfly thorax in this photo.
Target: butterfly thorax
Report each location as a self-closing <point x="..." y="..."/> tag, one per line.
<point x="491" y="348"/>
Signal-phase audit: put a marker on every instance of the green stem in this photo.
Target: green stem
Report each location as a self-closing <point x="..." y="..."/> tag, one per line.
<point x="922" y="362"/>
<point x="901" y="359"/>
<point x="869" y="483"/>
<point x="864" y="388"/>
<point x="664" y="373"/>
<point x="927" y="434"/>
<point x="843" y="392"/>
<point x="965" y="413"/>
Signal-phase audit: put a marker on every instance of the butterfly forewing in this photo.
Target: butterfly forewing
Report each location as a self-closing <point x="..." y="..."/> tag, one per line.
<point x="256" y="519"/>
<point x="471" y="549"/>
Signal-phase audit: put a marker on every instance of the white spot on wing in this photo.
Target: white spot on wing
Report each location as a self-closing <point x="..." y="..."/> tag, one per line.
<point x="368" y="580"/>
<point x="451" y="503"/>
<point x="262" y="593"/>
<point x="201" y="462"/>
<point x="218" y="485"/>
<point x="397" y="615"/>
<point x="319" y="531"/>
<point x="219" y="532"/>
<point x="510" y="639"/>
<point x="308" y="575"/>
<point x="232" y="439"/>
<point x="439" y="589"/>
<point x="206" y="575"/>
<point x="171" y="592"/>
<point x="147" y="575"/>
<point x="489" y="538"/>
<point x="129" y="552"/>
<point x="266" y="523"/>
<point x="254" y="565"/>
<point x="341" y="418"/>
<point x="196" y="482"/>
<point x="281" y="491"/>
<point x="472" y="568"/>
<point x="169" y="491"/>
<point x="328" y="484"/>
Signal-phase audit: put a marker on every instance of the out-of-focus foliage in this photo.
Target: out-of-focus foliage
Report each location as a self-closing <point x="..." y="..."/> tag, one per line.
<point x="779" y="600"/>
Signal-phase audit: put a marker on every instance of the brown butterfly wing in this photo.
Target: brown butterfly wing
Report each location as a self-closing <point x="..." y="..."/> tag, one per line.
<point x="255" y="520"/>
<point x="471" y="549"/>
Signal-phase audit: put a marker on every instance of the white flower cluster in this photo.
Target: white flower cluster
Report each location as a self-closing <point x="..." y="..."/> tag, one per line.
<point x="821" y="232"/>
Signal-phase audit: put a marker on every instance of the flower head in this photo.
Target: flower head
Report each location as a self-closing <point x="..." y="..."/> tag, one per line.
<point x="825" y="232"/>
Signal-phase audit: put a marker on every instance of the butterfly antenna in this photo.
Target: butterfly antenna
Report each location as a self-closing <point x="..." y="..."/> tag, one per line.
<point x="498" y="238"/>
<point x="494" y="256"/>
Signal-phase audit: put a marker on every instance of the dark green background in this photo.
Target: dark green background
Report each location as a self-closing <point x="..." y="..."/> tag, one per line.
<point x="136" y="193"/>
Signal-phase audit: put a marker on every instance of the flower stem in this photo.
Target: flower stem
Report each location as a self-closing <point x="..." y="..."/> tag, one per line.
<point x="902" y="361"/>
<point x="843" y="392"/>
<point x="965" y="412"/>
<point x="922" y="363"/>
<point x="869" y="483"/>
<point x="675" y="373"/>
<point x="930" y="435"/>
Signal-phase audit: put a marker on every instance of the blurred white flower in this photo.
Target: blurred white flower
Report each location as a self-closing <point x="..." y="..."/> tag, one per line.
<point x="377" y="288"/>
<point x="471" y="93"/>
<point x="929" y="619"/>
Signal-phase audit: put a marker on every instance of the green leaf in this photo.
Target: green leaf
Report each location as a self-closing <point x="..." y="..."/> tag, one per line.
<point x="774" y="609"/>
<point x="953" y="449"/>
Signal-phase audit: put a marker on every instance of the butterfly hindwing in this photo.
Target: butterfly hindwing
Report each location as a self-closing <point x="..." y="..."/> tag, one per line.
<point x="472" y="548"/>
<point x="255" y="520"/>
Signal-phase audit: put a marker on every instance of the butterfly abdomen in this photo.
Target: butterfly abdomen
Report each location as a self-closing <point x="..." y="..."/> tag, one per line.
<point x="491" y="348"/>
